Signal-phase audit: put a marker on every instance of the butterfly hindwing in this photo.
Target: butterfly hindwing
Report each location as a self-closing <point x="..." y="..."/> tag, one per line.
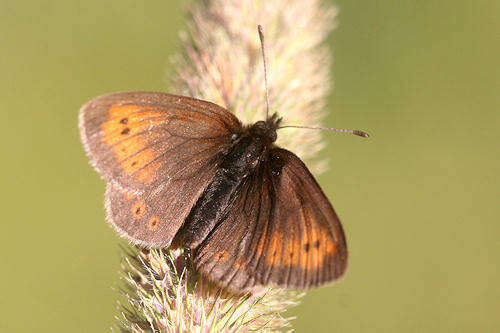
<point x="221" y="257"/>
<point x="140" y="140"/>
<point x="281" y="231"/>
<point x="153" y="218"/>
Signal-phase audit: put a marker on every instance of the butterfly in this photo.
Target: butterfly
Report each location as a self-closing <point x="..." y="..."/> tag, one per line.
<point x="186" y="172"/>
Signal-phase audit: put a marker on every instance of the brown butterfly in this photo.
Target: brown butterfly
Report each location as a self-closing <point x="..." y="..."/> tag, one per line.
<point x="185" y="171"/>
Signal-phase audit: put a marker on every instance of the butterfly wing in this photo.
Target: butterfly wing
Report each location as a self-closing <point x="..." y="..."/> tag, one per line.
<point x="139" y="140"/>
<point x="158" y="152"/>
<point x="282" y="230"/>
<point x="153" y="218"/>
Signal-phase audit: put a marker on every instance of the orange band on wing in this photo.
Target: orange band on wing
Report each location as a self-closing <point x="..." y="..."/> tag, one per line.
<point x="122" y="131"/>
<point x="306" y="253"/>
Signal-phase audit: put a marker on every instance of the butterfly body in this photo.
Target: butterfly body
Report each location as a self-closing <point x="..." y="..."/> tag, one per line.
<point x="187" y="172"/>
<point x="248" y="150"/>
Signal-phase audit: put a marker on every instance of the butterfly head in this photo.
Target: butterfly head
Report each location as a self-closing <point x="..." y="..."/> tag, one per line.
<point x="266" y="129"/>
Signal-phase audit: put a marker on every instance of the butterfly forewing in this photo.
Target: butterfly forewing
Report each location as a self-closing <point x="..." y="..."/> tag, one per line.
<point x="282" y="231"/>
<point x="158" y="153"/>
<point x="307" y="223"/>
<point x="140" y="140"/>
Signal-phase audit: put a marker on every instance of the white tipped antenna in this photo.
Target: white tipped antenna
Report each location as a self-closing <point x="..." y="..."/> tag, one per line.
<point x="342" y="130"/>
<point x="263" y="48"/>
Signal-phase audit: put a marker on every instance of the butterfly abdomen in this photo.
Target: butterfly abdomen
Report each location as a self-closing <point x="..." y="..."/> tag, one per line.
<point x="219" y="195"/>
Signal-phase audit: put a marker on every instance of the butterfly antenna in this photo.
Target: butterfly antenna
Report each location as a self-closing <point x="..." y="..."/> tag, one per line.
<point x="342" y="130"/>
<point x="263" y="48"/>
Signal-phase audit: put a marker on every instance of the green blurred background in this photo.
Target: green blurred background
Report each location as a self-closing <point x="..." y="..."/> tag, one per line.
<point x="419" y="201"/>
